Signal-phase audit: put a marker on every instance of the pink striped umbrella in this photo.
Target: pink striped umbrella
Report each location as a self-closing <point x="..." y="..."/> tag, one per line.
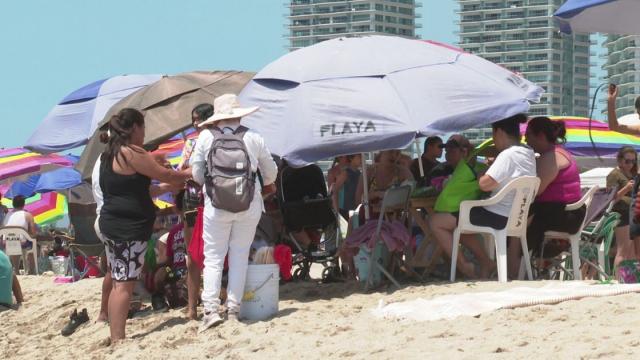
<point x="19" y="163"/>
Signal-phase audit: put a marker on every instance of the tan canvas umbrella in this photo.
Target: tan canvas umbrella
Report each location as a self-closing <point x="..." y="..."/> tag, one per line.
<point x="167" y="106"/>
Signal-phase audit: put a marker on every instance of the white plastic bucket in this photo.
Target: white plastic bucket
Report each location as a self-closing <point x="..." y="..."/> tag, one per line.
<point x="261" y="292"/>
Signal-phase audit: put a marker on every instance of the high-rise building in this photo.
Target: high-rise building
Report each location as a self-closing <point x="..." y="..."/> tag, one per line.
<point x="313" y="21"/>
<point x="522" y="36"/>
<point x="622" y="65"/>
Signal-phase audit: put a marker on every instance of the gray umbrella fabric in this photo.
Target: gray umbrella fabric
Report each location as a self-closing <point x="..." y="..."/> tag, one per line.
<point x="167" y="106"/>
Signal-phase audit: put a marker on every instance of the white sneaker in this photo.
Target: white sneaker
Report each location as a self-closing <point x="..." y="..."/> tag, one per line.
<point x="210" y="319"/>
<point x="233" y="317"/>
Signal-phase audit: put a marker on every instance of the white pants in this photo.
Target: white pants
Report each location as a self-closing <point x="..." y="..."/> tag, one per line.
<point x="233" y="233"/>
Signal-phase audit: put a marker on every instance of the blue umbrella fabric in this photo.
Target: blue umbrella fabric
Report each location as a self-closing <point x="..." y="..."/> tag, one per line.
<point x="605" y="16"/>
<point x="354" y="95"/>
<point x="55" y="180"/>
<point x="71" y="123"/>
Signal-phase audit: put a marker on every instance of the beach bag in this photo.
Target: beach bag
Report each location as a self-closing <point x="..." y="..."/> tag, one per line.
<point x="229" y="181"/>
<point x="629" y="272"/>
<point x="282" y="257"/>
<point x="192" y="196"/>
<point x="462" y="185"/>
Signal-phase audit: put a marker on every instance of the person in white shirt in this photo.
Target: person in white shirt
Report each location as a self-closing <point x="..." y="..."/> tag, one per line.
<point x="225" y="230"/>
<point x="20" y="217"/>
<point x="513" y="161"/>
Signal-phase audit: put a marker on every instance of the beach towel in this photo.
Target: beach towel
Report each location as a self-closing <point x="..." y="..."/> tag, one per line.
<point x="472" y="304"/>
<point x="393" y="233"/>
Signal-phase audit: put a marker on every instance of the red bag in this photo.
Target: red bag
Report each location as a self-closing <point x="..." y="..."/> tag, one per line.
<point x="196" y="245"/>
<point x="282" y="256"/>
<point x="91" y="267"/>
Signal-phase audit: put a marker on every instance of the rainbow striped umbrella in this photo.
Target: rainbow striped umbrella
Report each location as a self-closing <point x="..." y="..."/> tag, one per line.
<point x="19" y="163"/>
<point x="607" y="142"/>
<point x="172" y="150"/>
<point x="45" y="208"/>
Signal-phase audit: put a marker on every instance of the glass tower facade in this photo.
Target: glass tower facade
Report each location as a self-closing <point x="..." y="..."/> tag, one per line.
<point x="313" y="21"/>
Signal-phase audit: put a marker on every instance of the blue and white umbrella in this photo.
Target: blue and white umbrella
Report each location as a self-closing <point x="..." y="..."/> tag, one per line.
<point x="71" y="123"/>
<point x="362" y="94"/>
<point x="604" y="16"/>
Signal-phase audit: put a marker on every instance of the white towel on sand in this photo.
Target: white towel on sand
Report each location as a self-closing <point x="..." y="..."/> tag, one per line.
<point x="473" y="304"/>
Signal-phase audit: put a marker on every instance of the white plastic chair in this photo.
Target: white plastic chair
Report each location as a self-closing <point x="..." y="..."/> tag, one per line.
<point x="525" y="189"/>
<point x="12" y="237"/>
<point x="574" y="239"/>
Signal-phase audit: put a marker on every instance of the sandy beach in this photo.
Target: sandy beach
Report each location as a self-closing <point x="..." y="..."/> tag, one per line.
<point x="325" y="321"/>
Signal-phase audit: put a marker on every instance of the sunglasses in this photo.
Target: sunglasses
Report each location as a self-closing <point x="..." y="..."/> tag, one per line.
<point x="630" y="161"/>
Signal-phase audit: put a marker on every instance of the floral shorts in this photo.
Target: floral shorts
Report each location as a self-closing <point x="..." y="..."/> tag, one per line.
<point x="126" y="258"/>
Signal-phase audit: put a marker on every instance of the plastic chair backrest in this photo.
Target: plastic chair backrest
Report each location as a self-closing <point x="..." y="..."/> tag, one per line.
<point x="12" y="237"/>
<point x="585" y="200"/>
<point x="395" y="197"/>
<point x="525" y="188"/>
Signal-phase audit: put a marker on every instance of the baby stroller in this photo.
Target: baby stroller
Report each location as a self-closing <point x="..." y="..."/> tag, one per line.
<point x="306" y="206"/>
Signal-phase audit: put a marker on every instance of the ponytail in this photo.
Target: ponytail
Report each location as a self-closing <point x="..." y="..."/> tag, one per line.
<point x="119" y="133"/>
<point x="554" y="131"/>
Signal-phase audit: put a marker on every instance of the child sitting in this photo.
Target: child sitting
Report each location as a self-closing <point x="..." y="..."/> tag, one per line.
<point x="171" y="272"/>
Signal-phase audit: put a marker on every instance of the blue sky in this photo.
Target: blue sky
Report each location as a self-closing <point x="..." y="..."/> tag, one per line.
<point x="50" y="48"/>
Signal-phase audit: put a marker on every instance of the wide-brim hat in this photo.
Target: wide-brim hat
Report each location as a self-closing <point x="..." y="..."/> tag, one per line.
<point x="227" y="106"/>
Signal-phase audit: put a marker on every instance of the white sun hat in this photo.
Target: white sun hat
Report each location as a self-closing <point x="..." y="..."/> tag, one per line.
<point x="227" y="106"/>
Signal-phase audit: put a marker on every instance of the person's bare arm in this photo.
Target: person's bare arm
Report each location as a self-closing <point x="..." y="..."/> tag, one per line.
<point x="162" y="188"/>
<point x="17" y="290"/>
<point x="487" y="183"/>
<point x="145" y="164"/>
<point x="359" y="190"/>
<point x="33" y="230"/>
<point x="547" y="169"/>
<point x="405" y="173"/>
<point x="613" y="118"/>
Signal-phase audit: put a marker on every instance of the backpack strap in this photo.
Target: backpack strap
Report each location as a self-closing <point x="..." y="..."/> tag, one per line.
<point x="241" y="130"/>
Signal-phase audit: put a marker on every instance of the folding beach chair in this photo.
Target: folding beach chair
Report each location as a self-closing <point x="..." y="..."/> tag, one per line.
<point x="396" y="199"/>
<point x="85" y="242"/>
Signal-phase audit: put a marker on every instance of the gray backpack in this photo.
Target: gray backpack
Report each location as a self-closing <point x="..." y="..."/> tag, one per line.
<point x="229" y="181"/>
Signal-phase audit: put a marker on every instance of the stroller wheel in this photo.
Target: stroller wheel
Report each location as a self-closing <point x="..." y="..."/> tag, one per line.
<point x="301" y="274"/>
<point x="331" y="274"/>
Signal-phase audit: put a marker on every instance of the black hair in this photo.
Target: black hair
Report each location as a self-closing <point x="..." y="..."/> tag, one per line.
<point x="204" y="111"/>
<point x="120" y="129"/>
<point x="628" y="150"/>
<point x="18" y="202"/>
<point x="554" y="131"/>
<point x="178" y="199"/>
<point x="432" y="140"/>
<point x="511" y="125"/>
<point x="638" y="104"/>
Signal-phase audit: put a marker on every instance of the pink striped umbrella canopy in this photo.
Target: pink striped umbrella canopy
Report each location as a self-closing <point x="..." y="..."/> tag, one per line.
<point x="19" y="163"/>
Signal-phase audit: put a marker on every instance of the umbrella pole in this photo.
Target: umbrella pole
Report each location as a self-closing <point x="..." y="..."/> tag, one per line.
<point x="365" y="190"/>
<point x="420" y="166"/>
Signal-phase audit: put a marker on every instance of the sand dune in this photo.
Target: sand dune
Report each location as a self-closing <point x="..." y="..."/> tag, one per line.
<point x="325" y="321"/>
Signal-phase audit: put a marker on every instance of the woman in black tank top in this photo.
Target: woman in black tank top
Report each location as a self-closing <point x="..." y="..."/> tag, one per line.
<point x="128" y="213"/>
